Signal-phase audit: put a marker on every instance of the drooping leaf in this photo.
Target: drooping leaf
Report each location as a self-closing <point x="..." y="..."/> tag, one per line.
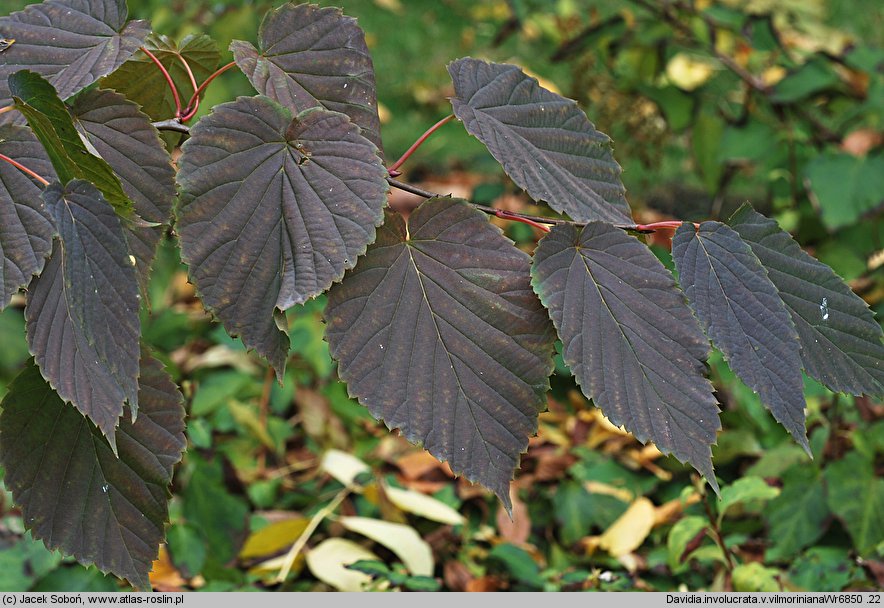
<point x="311" y="56"/>
<point x="273" y="210"/>
<point x="840" y="340"/>
<point x="403" y="540"/>
<point x="798" y="515"/>
<point x="436" y="331"/>
<point x="856" y="495"/>
<point x="629" y="337"/>
<point x="82" y="312"/>
<point x="48" y="117"/>
<point x="744" y="492"/>
<point x="545" y="143"/>
<point x="126" y="140"/>
<point x="71" y="43"/>
<point x="742" y="313"/>
<point x="142" y="82"/>
<point x="26" y="229"/>
<point x="75" y="494"/>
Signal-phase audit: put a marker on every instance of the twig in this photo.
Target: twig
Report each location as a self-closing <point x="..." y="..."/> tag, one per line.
<point x="172" y="124"/>
<point x="716" y="532"/>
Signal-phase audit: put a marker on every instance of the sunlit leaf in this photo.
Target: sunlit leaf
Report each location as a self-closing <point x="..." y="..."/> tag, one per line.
<point x="436" y="331"/>
<point x="126" y="140"/>
<point x="840" y="340"/>
<point x="545" y="143"/>
<point x="743" y="315"/>
<point x="75" y="493"/>
<point x="402" y="540"/>
<point x="26" y="229"/>
<point x="328" y="562"/>
<point x="71" y="43"/>
<point x="422" y="505"/>
<point x="142" y="82"/>
<point x="343" y="466"/>
<point x="630" y="530"/>
<point x="48" y="117"/>
<point x="82" y="311"/>
<point x="274" y="208"/>
<point x="310" y="56"/>
<point x="629" y="337"/>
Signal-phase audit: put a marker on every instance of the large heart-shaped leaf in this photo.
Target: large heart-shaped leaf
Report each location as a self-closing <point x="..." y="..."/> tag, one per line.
<point x="126" y="140"/>
<point x="629" y="337"/>
<point x="273" y="210"/>
<point x="545" y="143"/>
<point x="840" y="340"/>
<point x="437" y="332"/>
<point x="742" y="313"/>
<point x="72" y="43"/>
<point x="311" y="56"/>
<point x="142" y="82"/>
<point x="78" y="496"/>
<point x="48" y="117"/>
<point x="26" y="229"/>
<point x="82" y="311"/>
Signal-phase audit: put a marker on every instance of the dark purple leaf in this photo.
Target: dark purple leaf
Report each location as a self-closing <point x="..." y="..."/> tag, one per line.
<point x="629" y="337"/>
<point x="273" y="210"/>
<point x="743" y="315"/>
<point x="126" y="140"/>
<point x="840" y="340"/>
<point x="437" y="332"/>
<point x="82" y="311"/>
<point x="75" y="494"/>
<point x="311" y="56"/>
<point x="72" y="43"/>
<point x="544" y="141"/>
<point x="26" y="229"/>
<point x="142" y="82"/>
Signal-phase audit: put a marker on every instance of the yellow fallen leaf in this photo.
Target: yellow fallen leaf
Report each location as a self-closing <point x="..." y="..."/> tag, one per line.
<point x="328" y="562"/>
<point x="273" y="538"/>
<point x="423" y="505"/>
<point x="630" y="530"/>
<point x="343" y="466"/>
<point x="688" y="72"/>
<point x="402" y="540"/>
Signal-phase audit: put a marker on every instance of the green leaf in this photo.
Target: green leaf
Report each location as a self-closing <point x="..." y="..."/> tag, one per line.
<point x="840" y="340"/>
<point x="455" y="304"/>
<point x="856" y="497"/>
<point x="516" y="562"/>
<point x="545" y="143"/>
<point x="745" y="491"/>
<point x="755" y="577"/>
<point x="812" y="77"/>
<point x="76" y="579"/>
<point x="75" y="494"/>
<point x="846" y="187"/>
<point x="742" y="313"/>
<point x="211" y="509"/>
<point x="82" y="312"/>
<point x="186" y="549"/>
<point x="683" y="532"/>
<point x="273" y="210"/>
<point x="48" y="117"/>
<point x="629" y="337"/>
<point x="71" y="43"/>
<point x="131" y="146"/>
<point x="311" y="56"/>
<point x="26" y="228"/>
<point x="797" y="517"/>
<point x="824" y="569"/>
<point x="371" y="567"/>
<point x="142" y="82"/>
<point x="706" y="136"/>
<point x="573" y="507"/>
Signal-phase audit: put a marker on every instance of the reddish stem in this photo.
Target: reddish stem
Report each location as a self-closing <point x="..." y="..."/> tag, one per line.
<point x="194" y="104"/>
<point x="168" y="79"/>
<point x="671" y="224"/>
<point x="393" y="169"/>
<point x="509" y="215"/>
<point x="24" y="169"/>
<point x="6" y="109"/>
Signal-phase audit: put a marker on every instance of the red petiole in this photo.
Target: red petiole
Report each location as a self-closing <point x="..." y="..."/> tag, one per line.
<point x="194" y="103"/>
<point x="393" y="169"/>
<point x="24" y="169"/>
<point x="168" y="78"/>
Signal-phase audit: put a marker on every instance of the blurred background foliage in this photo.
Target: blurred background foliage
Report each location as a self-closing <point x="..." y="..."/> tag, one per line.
<point x="710" y="103"/>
